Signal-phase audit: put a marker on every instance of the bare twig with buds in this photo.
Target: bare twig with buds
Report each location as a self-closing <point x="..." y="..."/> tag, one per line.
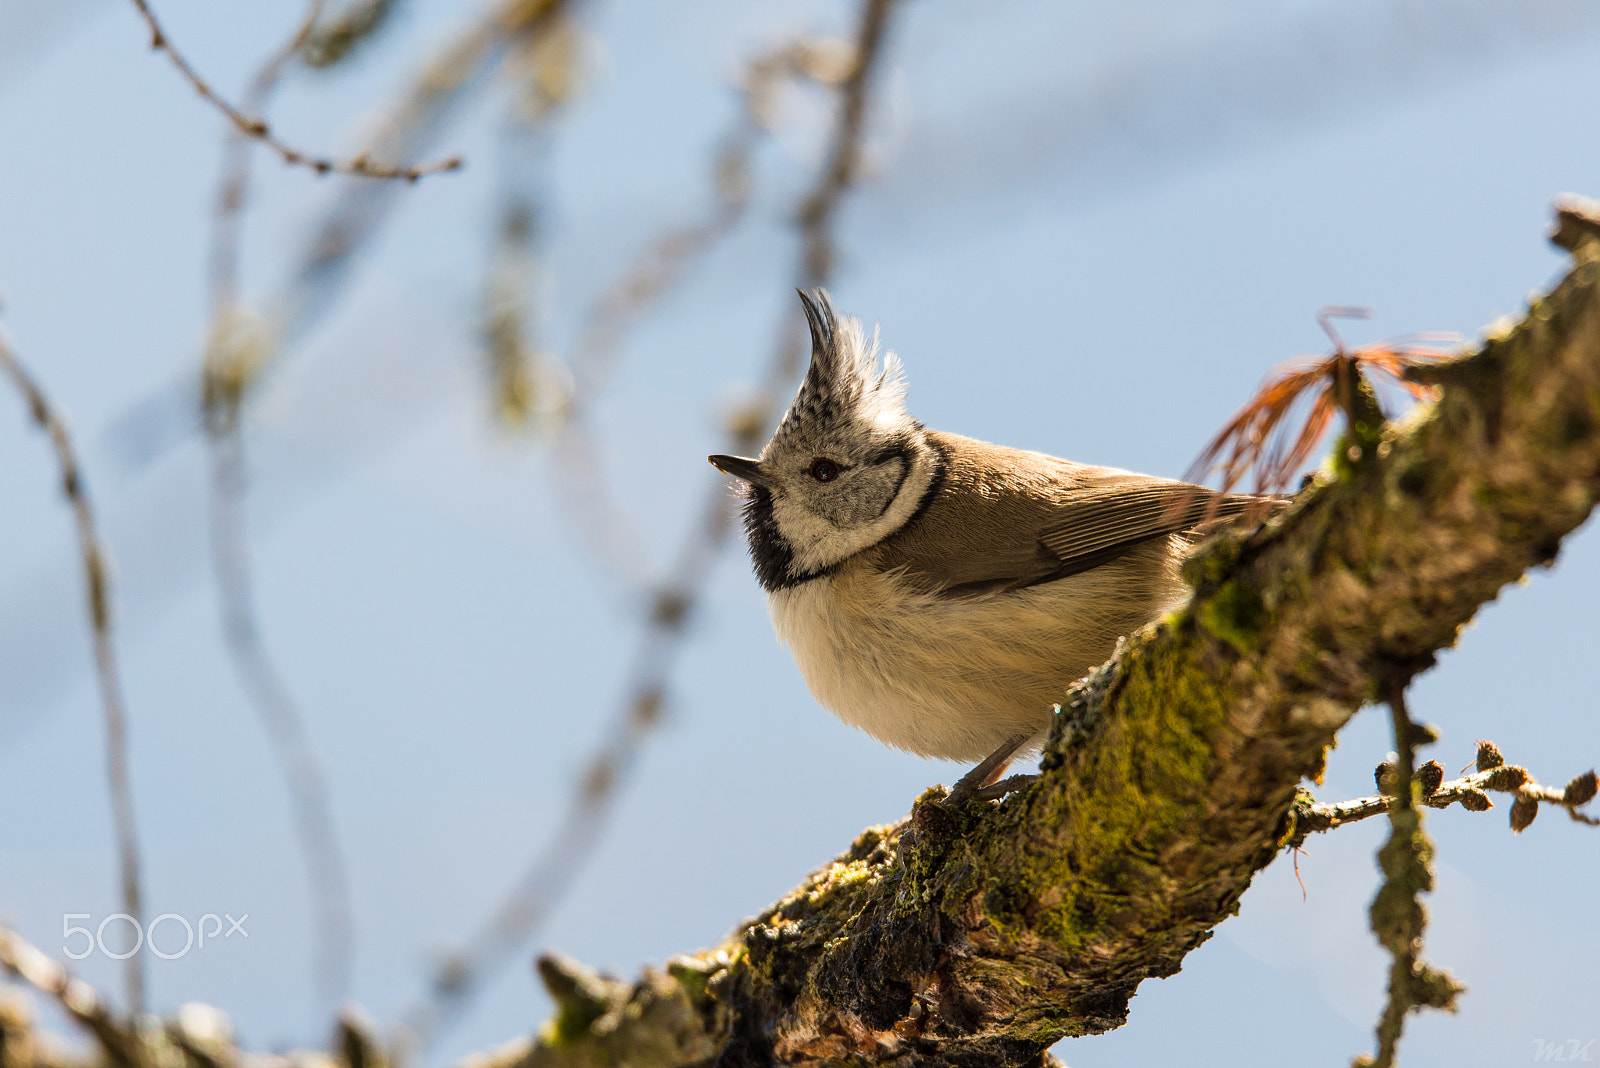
<point x="455" y="73"/>
<point x="97" y="584"/>
<point x="1406" y="860"/>
<point x="256" y="128"/>
<point x="1491" y="775"/>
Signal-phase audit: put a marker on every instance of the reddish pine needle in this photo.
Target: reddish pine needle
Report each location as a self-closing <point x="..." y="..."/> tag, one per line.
<point x="1263" y="438"/>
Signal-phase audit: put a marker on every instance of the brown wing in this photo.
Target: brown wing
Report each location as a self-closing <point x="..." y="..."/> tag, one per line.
<point x="1007" y="519"/>
<point x="1095" y="525"/>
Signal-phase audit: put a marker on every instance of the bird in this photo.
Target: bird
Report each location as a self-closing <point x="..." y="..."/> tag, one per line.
<point x="942" y="593"/>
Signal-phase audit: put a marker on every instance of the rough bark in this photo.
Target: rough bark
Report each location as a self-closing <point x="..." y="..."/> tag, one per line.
<point x="983" y="934"/>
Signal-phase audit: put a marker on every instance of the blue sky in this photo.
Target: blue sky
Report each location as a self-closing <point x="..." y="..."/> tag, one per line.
<point x="1087" y="231"/>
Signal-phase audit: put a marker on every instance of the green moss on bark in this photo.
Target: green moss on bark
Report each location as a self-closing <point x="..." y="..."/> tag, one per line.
<point x="979" y="934"/>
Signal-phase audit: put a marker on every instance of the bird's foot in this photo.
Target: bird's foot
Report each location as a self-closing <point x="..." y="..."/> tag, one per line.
<point x="985" y="777"/>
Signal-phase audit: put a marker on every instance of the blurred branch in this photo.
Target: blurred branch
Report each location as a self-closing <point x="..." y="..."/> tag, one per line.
<point x="525" y="383"/>
<point x="445" y="83"/>
<point x="305" y="781"/>
<point x="555" y="868"/>
<point x="1185" y="99"/>
<point x="519" y="381"/>
<point x="667" y="260"/>
<point x="334" y="39"/>
<point x="235" y="185"/>
<point x="80" y="1001"/>
<point x="844" y="152"/>
<point x="358" y="212"/>
<point x="196" y="1036"/>
<point x="256" y="128"/>
<point x="235" y="347"/>
<point x="664" y="265"/>
<point x="97" y="587"/>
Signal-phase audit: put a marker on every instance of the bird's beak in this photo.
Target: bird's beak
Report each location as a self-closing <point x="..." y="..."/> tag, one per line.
<point x="739" y="467"/>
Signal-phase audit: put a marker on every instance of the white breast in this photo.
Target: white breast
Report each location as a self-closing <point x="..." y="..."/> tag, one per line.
<point x="951" y="677"/>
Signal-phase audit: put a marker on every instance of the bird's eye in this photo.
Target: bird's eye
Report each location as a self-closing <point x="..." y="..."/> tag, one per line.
<point x="824" y="470"/>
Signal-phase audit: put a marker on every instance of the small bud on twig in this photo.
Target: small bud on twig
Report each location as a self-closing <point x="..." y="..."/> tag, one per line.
<point x="1581" y="790"/>
<point x="1430" y="776"/>
<point x="1523" y="811"/>
<point x="1383" y="775"/>
<point x="1507" y="777"/>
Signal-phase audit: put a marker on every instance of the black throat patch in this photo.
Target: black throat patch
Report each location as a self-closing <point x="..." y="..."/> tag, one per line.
<point x="768" y="550"/>
<point x="771" y="553"/>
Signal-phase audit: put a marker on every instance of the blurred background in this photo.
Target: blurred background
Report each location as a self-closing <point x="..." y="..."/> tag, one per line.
<point x="453" y="557"/>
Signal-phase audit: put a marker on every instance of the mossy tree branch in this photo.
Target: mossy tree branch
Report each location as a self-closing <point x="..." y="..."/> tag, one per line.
<point x="983" y="933"/>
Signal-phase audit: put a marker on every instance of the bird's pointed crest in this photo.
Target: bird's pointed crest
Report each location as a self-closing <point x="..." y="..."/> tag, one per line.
<point x="819" y="317"/>
<point x="844" y="383"/>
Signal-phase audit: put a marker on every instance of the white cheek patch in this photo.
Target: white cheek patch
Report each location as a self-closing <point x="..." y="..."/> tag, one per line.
<point x="819" y="544"/>
<point x="862" y="495"/>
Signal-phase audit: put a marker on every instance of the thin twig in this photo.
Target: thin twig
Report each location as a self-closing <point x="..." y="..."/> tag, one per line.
<point x="844" y="155"/>
<point x="226" y="369"/>
<point x="525" y="384"/>
<point x="235" y="186"/>
<point x="667" y="259"/>
<point x="304" y="778"/>
<point x="97" y="585"/>
<point x="256" y="128"/>
<point x="664" y="264"/>
<point x="440" y="89"/>
<point x="1400" y="926"/>
<point x="1534" y="795"/>
<point x="1471" y="792"/>
<point x="604" y="526"/>
<point x="556" y="867"/>
<point x="346" y="32"/>
<point x="518" y="384"/>
<point x="443" y="86"/>
<point x="306" y="782"/>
